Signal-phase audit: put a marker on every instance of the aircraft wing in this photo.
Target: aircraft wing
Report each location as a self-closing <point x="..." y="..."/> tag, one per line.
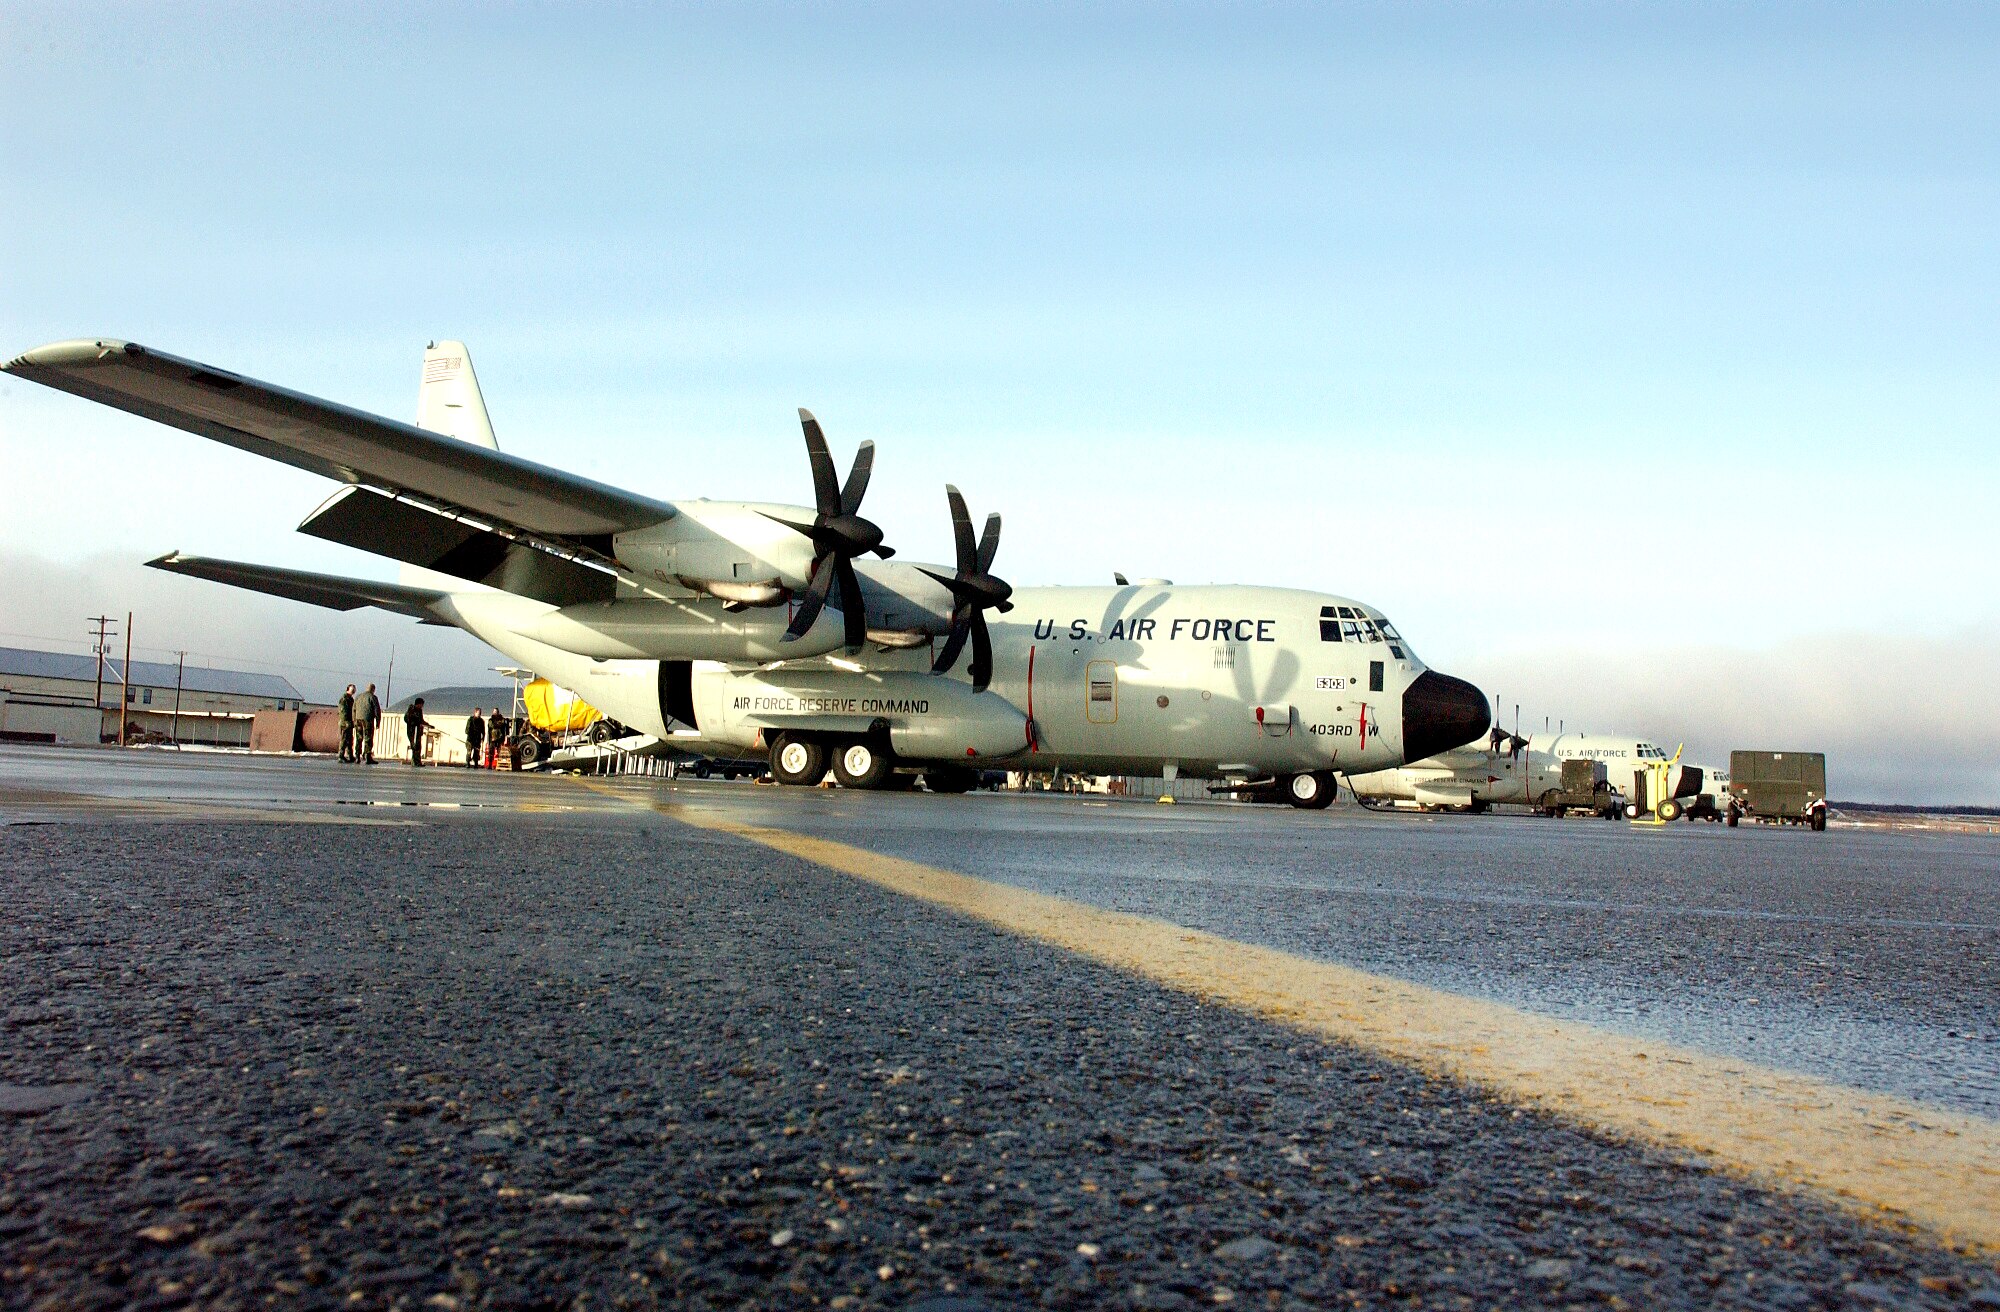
<point x="337" y="442"/>
<point x="329" y="590"/>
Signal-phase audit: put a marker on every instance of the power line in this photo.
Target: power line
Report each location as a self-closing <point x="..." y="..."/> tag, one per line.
<point x="205" y="655"/>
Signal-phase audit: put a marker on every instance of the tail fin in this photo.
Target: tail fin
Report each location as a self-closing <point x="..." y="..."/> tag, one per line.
<point x="448" y="401"/>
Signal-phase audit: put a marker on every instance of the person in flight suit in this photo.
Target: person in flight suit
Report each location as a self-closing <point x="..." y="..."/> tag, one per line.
<point x="475" y="734"/>
<point x="367" y="718"/>
<point x="413" y="722"/>
<point x="496" y="737"/>
<point x="347" y="724"/>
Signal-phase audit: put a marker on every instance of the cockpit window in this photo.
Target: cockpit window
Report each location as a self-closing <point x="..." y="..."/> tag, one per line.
<point x="1353" y="624"/>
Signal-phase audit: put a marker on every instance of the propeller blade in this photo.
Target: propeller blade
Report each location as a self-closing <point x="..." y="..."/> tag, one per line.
<point x="885" y="552"/>
<point x="982" y="654"/>
<point x="815" y="600"/>
<point x="954" y="643"/>
<point x="989" y="543"/>
<point x="853" y="606"/>
<point x="857" y="479"/>
<point x="826" y="484"/>
<point x="961" y="529"/>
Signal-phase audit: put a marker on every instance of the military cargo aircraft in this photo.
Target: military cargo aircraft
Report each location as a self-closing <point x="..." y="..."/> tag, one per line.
<point x="787" y="629"/>
<point x="1468" y="778"/>
<point x="1477" y="776"/>
<point x="1622" y="755"/>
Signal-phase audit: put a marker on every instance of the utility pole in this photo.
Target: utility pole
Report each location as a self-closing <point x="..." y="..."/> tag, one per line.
<point x="125" y="683"/>
<point x="179" y="671"/>
<point x="98" y="698"/>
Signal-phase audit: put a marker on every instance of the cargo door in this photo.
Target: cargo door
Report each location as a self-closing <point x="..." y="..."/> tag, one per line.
<point x="1100" y="680"/>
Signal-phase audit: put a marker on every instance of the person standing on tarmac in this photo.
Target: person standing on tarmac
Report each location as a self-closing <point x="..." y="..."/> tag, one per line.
<point x="475" y="734"/>
<point x="367" y="718"/>
<point x="347" y="724"/>
<point x="496" y="737"/>
<point x="413" y="721"/>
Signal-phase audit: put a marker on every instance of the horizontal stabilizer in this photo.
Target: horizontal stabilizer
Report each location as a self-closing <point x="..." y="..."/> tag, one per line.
<point x="337" y="442"/>
<point x="329" y="590"/>
<point x="358" y="517"/>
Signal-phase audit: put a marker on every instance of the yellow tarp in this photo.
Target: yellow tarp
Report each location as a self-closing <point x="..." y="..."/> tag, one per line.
<point x="557" y="710"/>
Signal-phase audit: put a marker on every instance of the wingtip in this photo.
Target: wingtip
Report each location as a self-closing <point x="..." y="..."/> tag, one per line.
<point x="79" y="350"/>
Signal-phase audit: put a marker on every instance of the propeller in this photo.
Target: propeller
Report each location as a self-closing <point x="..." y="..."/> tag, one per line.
<point x="974" y="590"/>
<point x="838" y="534"/>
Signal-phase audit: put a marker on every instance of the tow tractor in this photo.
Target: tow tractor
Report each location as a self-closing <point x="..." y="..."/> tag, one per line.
<point x="1584" y="789"/>
<point x="1653" y="801"/>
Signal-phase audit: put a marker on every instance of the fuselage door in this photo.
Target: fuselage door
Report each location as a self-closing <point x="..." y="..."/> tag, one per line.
<point x="1101" y="690"/>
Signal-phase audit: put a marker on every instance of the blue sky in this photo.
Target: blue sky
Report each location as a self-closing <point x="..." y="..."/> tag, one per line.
<point x="1609" y="338"/>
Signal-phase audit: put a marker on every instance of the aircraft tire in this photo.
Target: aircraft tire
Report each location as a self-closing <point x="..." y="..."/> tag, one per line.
<point x="1310" y="792"/>
<point x="800" y="762"/>
<point x="950" y="779"/>
<point x="1670" y="810"/>
<point x="860" y="763"/>
<point x="1819" y="822"/>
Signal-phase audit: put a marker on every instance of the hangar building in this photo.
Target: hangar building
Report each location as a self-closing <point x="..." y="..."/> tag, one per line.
<point x="45" y="696"/>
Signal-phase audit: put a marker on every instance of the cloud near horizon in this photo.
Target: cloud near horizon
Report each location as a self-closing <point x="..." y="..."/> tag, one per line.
<point x="1902" y="718"/>
<point x="1911" y="718"/>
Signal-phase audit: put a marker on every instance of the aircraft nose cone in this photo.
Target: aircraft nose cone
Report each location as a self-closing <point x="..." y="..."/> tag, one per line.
<point x="1440" y="713"/>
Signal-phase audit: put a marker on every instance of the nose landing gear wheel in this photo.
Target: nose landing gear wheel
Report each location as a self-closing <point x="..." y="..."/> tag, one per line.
<point x="798" y="761"/>
<point x="1310" y="792"/>
<point x="862" y="764"/>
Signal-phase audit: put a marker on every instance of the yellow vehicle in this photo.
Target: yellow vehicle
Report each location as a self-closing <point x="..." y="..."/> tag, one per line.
<point x="557" y="710"/>
<point x="1653" y="801"/>
<point x="556" y="717"/>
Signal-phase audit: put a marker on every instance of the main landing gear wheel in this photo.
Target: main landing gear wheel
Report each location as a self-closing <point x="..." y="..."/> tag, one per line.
<point x="862" y="764"/>
<point x="1310" y="792"/>
<point x="800" y="762"/>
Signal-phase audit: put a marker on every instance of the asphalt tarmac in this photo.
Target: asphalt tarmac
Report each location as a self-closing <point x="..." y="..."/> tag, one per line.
<point x="288" y="1033"/>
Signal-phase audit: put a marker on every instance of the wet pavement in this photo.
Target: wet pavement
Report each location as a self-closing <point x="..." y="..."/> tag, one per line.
<point x="459" y="1040"/>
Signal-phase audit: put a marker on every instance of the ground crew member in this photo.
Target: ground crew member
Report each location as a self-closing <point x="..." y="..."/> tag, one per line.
<point x="496" y="737"/>
<point x="367" y="718"/>
<point x="413" y="720"/>
<point x="475" y="734"/>
<point x="347" y="724"/>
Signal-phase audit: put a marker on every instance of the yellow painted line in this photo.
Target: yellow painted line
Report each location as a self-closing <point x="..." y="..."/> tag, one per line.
<point x="1888" y="1158"/>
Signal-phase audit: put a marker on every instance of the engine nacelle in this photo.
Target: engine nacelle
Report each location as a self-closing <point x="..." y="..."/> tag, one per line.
<point x="731" y="543"/>
<point x="926" y="717"/>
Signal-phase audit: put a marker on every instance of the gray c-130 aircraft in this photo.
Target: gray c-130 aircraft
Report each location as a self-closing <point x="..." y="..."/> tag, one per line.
<point x="788" y="630"/>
